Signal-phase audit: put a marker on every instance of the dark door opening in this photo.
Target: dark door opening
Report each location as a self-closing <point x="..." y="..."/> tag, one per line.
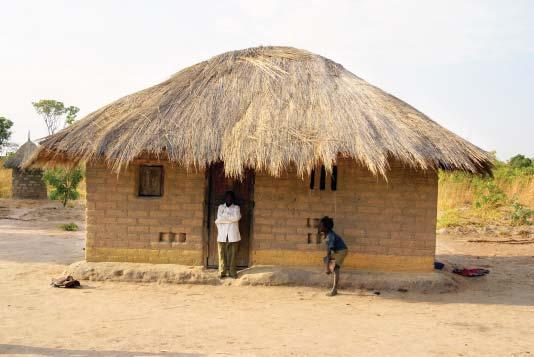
<point x="243" y="189"/>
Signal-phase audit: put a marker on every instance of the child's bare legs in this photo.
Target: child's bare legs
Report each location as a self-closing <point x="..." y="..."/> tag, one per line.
<point x="333" y="292"/>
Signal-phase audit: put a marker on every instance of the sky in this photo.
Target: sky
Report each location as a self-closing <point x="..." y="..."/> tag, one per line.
<point x="469" y="65"/>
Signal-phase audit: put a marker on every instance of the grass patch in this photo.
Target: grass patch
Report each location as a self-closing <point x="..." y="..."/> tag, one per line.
<point x="5" y="181"/>
<point x="459" y="189"/>
<point x="471" y="216"/>
<point x="449" y="218"/>
<point x="507" y="198"/>
<point x="69" y="227"/>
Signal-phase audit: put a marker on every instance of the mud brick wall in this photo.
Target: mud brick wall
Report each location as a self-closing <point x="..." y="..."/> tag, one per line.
<point x="387" y="225"/>
<point x="28" y="184"/>
<point x="121" y="226"/>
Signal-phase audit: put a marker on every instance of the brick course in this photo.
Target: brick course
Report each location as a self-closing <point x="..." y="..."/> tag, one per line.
<point x="121" y="226"/>
<point x="387" y="225"/>
<point x="28" y="184"/>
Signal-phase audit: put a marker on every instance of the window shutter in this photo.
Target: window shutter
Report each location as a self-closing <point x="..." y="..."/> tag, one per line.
<point x="150" y="180"/>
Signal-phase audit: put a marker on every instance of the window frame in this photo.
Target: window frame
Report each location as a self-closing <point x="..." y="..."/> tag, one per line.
<point x="333" y="178"/>
<point x="161" y="180"/>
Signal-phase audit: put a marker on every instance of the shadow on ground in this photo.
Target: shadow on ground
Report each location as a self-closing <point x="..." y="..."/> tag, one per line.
<point x="45" y="351"/>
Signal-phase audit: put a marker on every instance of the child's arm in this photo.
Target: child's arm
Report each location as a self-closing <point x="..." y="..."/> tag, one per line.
<point x="328" y="258"/>
<point x="329" y="245"/>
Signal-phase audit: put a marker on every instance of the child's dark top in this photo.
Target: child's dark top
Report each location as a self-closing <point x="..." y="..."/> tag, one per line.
<point x="334" y="242"/>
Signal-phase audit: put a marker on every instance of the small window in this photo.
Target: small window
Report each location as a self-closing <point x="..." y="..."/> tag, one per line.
<point x="333" y="179"/>
<point x="322" y="179"/>
<point x="312" y="179"/>
<point x="150" y="181"/>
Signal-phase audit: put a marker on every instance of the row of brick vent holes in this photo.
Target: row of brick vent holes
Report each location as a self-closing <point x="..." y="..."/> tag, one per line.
<point x="314" y="238"/>
<point x="171" y="237"/>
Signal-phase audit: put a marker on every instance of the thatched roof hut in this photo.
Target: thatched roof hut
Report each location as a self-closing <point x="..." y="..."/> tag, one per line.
<point x="21" y="156"/>
<point x="25" y="183"/>
<point x="294" y="135"/>
<point x="263" y="108"/>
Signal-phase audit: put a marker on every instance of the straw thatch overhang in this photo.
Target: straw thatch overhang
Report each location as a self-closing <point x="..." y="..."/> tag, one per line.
<point x="264" y="108"/>
<point x="23" y="154"/>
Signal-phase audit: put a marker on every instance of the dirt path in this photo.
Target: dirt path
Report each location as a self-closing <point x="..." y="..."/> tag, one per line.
<point x="492" y="316"/>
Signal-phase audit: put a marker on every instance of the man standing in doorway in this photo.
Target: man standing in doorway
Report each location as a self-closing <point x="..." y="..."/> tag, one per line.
<point x="228" y="237"/>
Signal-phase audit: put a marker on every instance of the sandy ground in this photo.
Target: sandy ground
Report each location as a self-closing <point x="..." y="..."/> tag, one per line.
<point x="491" y="316"/>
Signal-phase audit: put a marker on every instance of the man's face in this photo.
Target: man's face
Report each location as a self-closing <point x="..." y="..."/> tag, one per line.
<point x="321" y="227"/>
<point x="229" y="200"/>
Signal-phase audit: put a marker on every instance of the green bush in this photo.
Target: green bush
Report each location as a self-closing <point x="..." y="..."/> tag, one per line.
<point x="69" y="227"/>
<point x="520" y="161"/>
<point x="487" y="194"/>
<point x="64" y="183"/>
<point x="517" y="166"/>
<point x="520" y="214"/>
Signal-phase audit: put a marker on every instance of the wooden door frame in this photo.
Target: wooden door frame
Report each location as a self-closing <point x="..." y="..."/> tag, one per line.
<point x="206" y="223"/>
<point x="251" y="225"/>
<point x="207" y="218"/>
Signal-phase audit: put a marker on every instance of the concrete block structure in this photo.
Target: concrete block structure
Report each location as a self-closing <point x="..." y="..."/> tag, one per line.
<point x="295" y="136"/>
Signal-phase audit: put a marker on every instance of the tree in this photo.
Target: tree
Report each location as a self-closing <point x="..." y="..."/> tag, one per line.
<point x="5" y="133"/>
<point x="520" y="161"/>
<point x="72" y="111"/>
<point x="53" y="111"/>
<point x="64" y="183"/>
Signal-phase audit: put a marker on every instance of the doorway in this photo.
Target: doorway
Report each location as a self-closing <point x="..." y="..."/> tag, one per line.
<point x="243" y="189"/>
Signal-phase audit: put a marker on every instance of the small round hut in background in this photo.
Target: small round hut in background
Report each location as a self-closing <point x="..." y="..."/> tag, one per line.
<point x="26" y="183"/>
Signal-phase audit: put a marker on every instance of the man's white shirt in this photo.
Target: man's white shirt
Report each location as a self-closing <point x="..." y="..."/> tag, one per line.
<point x="228" y="223"/>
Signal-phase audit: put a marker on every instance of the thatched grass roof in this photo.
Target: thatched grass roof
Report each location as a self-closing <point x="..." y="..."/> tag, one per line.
<point x="263" y="108"/>
<point x="22" y="155"/>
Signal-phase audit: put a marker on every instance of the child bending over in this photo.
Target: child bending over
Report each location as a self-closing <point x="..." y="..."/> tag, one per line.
<point x="336" y="251"/>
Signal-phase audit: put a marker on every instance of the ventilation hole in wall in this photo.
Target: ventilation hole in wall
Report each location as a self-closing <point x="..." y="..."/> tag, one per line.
<point x="163" y="237"/>
<point x="333" y="181"/>
<point x="312" y="179"/>
<point x="310" y="238"/>
<point x="322" y="179"/>
<point x="167" y="237"/>
<point x="181" y="237"/>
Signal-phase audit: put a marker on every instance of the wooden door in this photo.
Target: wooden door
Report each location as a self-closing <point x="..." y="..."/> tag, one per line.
<point x="243" y="189"/>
